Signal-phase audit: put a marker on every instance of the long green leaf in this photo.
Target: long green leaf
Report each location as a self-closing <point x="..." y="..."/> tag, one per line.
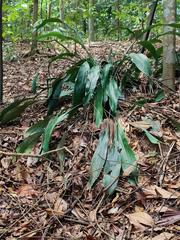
<point x="50" y="127"/>
<point x="112" y="168"/>
<point x="28" y="144"/>
<point x="80" y="84"/>
<point x="127" y="154"/>
<point x="113" y="93"/>
<point x="105" y="75"/>
<point x="92" y="79"/>
<point x="141" y="62"/>
<point x="14" y="110"/>
<point x="99" y="157"/>
<point x="37" y="128"/>
<point x="149" y="46"/>
<point x="98" y="106"/>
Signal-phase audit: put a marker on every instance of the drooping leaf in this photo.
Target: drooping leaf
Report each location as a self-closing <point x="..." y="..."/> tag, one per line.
<point x="110" y="181"/>
<point x="150" y="47"/>
<point x="141" y="62"/>
<point x="98" y="106"/>
<point x="50" y="127"/>
<point x="63" y="56"/>
<point x="14" y="110"/>
<point x="105" y="75"/>
<point x="37" y="128"/>
<point x="53" y="99"/>
<point x="159" y="96"/>
<point x="28" y="144"/>
<point x="92" y="79"/>
<point x="151" y="138"/>
<point x="99" y="157"/>
<point x="113" y="93"/>
<point x="127" y="155"/>
<point x="60" y="36"/>
<point x="112" y="168"/>
<point x="80" y="84"/>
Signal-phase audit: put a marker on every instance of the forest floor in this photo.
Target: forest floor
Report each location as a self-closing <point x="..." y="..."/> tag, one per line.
<point x="40" y="200"/>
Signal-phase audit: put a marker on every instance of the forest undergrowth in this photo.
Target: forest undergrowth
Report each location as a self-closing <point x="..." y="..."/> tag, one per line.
<point x="41" y="200"/>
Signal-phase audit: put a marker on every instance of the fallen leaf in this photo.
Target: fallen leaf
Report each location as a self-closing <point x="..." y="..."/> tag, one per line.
<point x="163" y="236"/>
<point x="140" y="220"/>
<point x="60" y="207"/>
<point x="27" y="191"/>
<point x="156" y="192"/>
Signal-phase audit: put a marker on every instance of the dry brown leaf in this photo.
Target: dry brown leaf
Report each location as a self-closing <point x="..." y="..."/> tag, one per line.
<point x="140" y="124"/>
<point x="163" y="236"/>
<point x="156" y="192"/>
<point x="92" y="215"/>
<point x="60" y="207"/>
<point x="140" y="220"/>
<point x="27" y="191"/>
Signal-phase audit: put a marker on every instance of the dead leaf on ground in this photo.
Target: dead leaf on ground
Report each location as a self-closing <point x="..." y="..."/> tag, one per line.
<point x="156" y="192"/>
<point x="140" y="220"/>
<point x="27" y="191"/>
<point x="169" y="218"/>
<point x="163" y="236"/>
<point x="60" y="207"/>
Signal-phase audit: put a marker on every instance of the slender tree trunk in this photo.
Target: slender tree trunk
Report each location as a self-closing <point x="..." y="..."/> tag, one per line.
<point x="61" y="9"/>
<point x="49" y="9"/>
<point x="35" y="18"/>
<point x="169" y="14"/>
<point x="117" y="8"/>
<point x="150" y="21"/>
<point x="1" y="55"/>
<point x="91" y="22"/>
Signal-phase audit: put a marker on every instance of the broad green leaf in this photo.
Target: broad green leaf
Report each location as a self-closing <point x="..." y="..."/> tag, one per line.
<point x="34" y="83"/>
<point x="99" y="157"/>
<point x="92" y="79"/>
<point x="141" y="62"/>
<point x="53" y="99"/>
<point x="60" y="36"/>
<point x="127" y="155"/>
<point x="113" y="93"/>
<point x="50" y="127"/>
<point x="80" y="84"/>
<point x="62" y="56"/>
<point x="112" y="168"/>
<point x="151" y="138"/>
<point x="150" y="47"/>
<point x="28" y="144"/>
<point x="14" y="110"/>
<point x="106" y="75"/>
<point x="110" y="181"/>
<point x="37" y="128"/>
<point x="159" y="96"/>
<point x="98" y="106"/>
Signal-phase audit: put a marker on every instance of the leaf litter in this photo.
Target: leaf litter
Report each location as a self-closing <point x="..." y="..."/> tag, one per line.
<point x="40" y="201"/>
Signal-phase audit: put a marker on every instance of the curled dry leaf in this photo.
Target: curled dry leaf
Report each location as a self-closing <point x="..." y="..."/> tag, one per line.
<point x="27" y="191"/>
<point x="60" y="207"/>
<point x="140" y="220"/>
<point x="156" y="192"/>
<point x="163" y="236"/>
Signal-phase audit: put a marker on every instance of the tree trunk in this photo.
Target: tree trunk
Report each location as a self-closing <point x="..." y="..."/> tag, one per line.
<point x="91" y="22"/>
<point x="117" y="8"/>
<point x="169" y="14"/>
<point x="1" y="55"/>
<point x="61" y="9"/>
<point x="49" y="9"/>
<point x="35" y="18"/>
<point x="150" y="21"/>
